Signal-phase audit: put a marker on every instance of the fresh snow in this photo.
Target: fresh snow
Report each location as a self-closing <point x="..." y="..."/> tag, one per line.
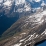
<point x="27" y="8"/>
<point x="18" y="44"/>
<point x="1" y="1"/>
<point x="22" y="40"/>
<point x="43" y="3"/>
<point x="37" y="0"/>
<point x="17" y="2"/>
<point x="45" y="31"/>
<point x="24" y="9"/>
<point x="40" y="15"/>
<point x="23" y="33"/>
<point x="7" y="3"/>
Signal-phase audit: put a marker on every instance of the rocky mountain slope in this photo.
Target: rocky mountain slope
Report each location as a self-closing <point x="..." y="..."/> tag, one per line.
<point x="27" y="31"/>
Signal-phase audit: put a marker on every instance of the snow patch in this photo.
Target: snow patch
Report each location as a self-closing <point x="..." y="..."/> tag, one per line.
<point x="27" y="8"/>
<point x="43" y="3"/>
<point x="22" y="40"/>
<point x="18" y="44"/>
<point x="38" y="18"/>
<point x="23" y="33"/>
<point x="45" y="31"/>
<point x="37" y="0"/>
<point x="7" y="3"/>
<point x="40" y="15"/>
<point x="20" y="10"/>
<point x="17" y="2"/>
<point x="44" y="12"/>
<point x="14" y="37"/>
<point x="1" y="1"/>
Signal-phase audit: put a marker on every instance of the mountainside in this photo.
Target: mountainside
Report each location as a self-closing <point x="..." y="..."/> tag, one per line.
<point x="12" y="10"/>
<point x="29" y="18"/>
<point x="27" y="31"/>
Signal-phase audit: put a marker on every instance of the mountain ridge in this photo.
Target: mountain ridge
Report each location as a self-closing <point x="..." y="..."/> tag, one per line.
<point x="28" y="28"/>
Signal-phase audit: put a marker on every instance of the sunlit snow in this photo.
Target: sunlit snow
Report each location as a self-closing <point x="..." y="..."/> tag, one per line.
<point x="22" y="40"/>
<point x="39" y="18"/>
<point x="45" y="31"/>
<point x="7" y="3"/>
<point x="18" y="44"/>
<point x="40" y="15"/>
<point x="37" y="0"/>
<point x="43" y="3"/>
<point x="1" y="1"/>
<point x="27" y="8"/>
<point x="17" y="2"/>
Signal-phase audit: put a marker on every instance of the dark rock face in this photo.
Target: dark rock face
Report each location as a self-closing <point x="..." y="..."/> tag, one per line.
<point x="26" y="31"/>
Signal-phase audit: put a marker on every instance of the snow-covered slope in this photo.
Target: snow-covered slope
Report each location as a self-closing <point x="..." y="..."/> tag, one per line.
<point x="20" y="6"/>
<point x="27" y="30"/>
